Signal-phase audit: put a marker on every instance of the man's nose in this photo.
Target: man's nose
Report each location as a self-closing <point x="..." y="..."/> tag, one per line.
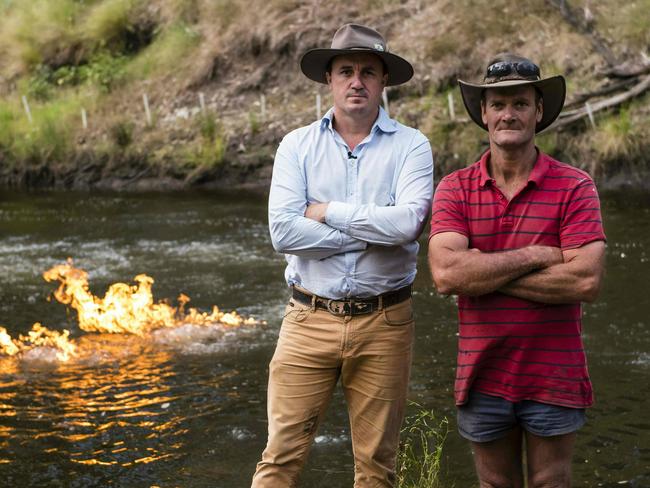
<point x="508" y="114"/>
<point x="356" y="80"/>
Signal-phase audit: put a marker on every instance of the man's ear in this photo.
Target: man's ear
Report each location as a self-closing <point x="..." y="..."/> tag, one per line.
<point x="540" y="110"/>
<point x="385" y="79"/>
<point x="328" y="77"/>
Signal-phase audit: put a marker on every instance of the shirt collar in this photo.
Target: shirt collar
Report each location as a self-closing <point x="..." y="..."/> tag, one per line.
<point x="536" y="175"/>
<point x="540" y="169"/>
<point x="485" y="174"/>
<point x="383" y="122"/>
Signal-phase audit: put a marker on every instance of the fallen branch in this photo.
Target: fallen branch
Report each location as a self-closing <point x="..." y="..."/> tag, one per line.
<point x="581" y="98"/>
<point x="628" y="70"/>
<point x="570" y="116"/>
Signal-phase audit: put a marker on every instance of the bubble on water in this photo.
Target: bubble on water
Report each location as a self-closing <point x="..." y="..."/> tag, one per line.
<point x="642" y="360"/>
<point x="331" y="439"/>
<point x="241" y="434"/>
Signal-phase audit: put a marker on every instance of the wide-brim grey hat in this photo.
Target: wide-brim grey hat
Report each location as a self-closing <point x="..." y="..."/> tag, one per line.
<point x="351" y="39"/>
<point x="507" y="69"/>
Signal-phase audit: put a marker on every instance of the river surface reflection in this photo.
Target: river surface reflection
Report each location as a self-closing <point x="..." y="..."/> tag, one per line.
<point x="186" y="407"/>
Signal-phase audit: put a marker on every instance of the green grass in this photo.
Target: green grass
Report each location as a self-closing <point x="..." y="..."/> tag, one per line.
<point x="107" y="24"/>
<point x="50" y="137"/>
<point x="210" y="151"/>
<point x="420" y="454"/>
<point x="168" y="49"/>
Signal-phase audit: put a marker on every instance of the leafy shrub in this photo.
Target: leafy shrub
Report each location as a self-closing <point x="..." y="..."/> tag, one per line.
<point x="212" y="149"/>
<point x="122" y="133"/>
<point x="103" y="71"/>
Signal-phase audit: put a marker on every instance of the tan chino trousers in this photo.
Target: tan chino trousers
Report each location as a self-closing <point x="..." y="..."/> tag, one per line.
<point x="371" y="354"/>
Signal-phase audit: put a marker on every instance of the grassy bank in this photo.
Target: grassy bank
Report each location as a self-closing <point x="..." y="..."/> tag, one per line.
<point x="222" y="83"/>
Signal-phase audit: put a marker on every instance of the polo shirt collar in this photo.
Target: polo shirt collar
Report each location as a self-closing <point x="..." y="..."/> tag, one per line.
<point x="485" y="174"/>
<point x="536" y="175"/>
<point x="540" y="169"/>
<point x="383" y="122"/>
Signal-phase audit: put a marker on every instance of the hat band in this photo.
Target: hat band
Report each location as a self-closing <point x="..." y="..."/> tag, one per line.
<point x="378" y="48"/>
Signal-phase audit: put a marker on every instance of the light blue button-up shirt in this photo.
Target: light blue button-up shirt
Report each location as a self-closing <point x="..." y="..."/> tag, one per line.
<point x="379" y="197"/>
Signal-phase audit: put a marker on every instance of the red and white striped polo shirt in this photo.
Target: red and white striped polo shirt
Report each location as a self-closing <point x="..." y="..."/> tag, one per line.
<point x="510" y="347"/>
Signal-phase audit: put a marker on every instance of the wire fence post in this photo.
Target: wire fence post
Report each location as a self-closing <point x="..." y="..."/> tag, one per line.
<point x="202" y="102"/>
<point x="590" y="113"/>
<point x="84" y="119"/>
<point x="452" y="110"/>
<point x="147" y="112"/>
<point x="27" y="109"/>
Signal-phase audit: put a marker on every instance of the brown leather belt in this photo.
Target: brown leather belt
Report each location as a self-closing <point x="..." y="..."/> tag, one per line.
<point x="353" y="306"/>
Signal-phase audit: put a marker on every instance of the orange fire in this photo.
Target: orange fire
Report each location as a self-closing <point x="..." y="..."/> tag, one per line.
<point x="125" y="309"/>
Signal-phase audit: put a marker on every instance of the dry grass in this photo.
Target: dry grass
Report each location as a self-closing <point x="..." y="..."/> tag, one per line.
<point x="626" y="22"/>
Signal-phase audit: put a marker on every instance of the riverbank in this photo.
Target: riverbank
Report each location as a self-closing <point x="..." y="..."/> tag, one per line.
<point x="170" y="95"/>
<point x="133" y="175"/>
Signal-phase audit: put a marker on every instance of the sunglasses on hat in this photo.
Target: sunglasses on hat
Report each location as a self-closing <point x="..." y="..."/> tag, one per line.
<point x="504" y="68"/>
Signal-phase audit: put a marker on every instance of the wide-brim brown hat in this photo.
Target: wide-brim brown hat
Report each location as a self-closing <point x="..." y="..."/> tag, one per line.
<point x="507" y="69"/>
<point x="352" y="39"/>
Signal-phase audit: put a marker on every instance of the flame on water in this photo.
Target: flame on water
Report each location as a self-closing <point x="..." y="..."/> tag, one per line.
<point x="125" y="309"/>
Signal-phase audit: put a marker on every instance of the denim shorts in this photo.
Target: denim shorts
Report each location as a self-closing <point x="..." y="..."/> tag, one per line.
<point x="486" y="418"/>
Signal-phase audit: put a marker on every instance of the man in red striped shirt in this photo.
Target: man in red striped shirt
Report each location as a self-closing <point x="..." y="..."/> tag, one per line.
<point x="518" y="237"/>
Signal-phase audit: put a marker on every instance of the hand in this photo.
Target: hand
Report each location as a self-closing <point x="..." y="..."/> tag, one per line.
<point x="316" y="211"/>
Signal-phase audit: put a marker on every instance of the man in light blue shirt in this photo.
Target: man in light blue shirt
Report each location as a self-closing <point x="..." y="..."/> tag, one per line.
<point x="349" y="197"/>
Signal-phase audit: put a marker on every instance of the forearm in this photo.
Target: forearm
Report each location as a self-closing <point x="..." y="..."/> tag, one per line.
<point x="560" y="283"/>
<point x="472" y="273"/>
<point x="294" y="234"/>
<point x="384" y="226"/>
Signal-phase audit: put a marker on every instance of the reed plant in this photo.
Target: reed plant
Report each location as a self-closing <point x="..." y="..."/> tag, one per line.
<point x="420" y="454"/>
<point x="210" y="151"/>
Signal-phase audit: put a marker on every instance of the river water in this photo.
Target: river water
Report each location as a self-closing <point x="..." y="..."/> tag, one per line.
<point x="186" y="407"/>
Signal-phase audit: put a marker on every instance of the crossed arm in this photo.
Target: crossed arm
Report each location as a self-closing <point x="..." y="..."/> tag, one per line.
<point x="539" y="273"/>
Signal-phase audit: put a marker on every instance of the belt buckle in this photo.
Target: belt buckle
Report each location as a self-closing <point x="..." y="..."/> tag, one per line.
<point x="340" y="308"/>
